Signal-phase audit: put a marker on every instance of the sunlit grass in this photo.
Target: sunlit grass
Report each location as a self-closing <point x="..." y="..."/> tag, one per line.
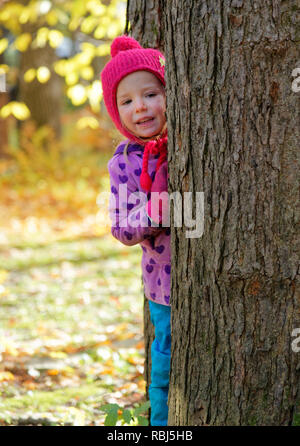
<point x="71" y="295"/>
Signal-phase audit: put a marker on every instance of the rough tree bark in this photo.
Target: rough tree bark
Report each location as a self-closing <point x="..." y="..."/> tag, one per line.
<point x="233" y="123"/>
<point x="145" y="26"/>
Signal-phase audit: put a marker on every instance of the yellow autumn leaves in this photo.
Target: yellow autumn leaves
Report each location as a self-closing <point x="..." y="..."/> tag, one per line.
<point x="43" y="36"/>
<point x="3" y="45"/>
<point x="101" y="22"/>
<point x="42" y="74"/>
<point x="18" y="109"/>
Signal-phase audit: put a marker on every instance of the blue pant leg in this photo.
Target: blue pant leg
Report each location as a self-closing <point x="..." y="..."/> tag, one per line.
<point x="160" y="357"/>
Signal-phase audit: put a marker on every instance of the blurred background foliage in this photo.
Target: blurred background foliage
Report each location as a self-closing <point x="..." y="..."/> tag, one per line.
<point x="55" y="134"/>
<point x="70" y="295"/>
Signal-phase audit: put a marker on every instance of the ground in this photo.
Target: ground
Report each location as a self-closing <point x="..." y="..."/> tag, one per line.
<point x="71" y="299"/>
<point x="71" y="330"/>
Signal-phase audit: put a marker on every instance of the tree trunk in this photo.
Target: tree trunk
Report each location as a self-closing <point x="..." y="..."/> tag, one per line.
<point x="145" y="21"/>
<point x="43" y="99"/>
<point x="233" y="121"/>
<point x="3" y="122"/>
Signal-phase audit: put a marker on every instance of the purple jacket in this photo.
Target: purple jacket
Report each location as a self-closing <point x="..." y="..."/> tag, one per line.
<point x="131" y="224"/>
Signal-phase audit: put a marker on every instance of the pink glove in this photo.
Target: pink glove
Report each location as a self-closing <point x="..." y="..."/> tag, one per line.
<point x="158" y="211"/>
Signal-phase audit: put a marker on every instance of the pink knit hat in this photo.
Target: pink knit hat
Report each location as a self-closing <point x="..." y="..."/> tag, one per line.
<point x="129" y="56"/>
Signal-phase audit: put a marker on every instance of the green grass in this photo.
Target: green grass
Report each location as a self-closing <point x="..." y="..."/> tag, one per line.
<point x="74" y="306"/>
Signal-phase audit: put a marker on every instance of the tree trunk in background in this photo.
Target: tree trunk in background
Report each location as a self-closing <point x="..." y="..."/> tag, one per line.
<point x="233" y="122"/>
<point x="146" y="20"/>
<point x="3" y="122"/>
<point x="144" y="17"/>
<point x="43" y="99"/>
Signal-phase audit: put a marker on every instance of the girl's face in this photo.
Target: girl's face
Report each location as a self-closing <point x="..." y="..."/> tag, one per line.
<point x="141" y="103"/>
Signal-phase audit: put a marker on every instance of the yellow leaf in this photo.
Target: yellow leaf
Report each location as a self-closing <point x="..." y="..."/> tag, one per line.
<point x="4" y="15"/>
<point x="133" y="361"/>
<point x="60" y="67"/>
<point x="70" y="66"/>
<point x="29" y="75"/>
<point x="87" y="73"/>
<point x="5" y="111"/>
<point x="55" y="38"/>
<point x="87" y="121"/>
<point x="41" y="37"/>
<point x="140" y="345"/>
<point x="96" y="8"/>
<point x="67" y="371"/>
<point x="30" y="385"/>
<point x="83" y="58"/>
<point x="103" y="50"/>
<point x="24" y="16"/>
<point x="112" y="30"/>
<point x="74" y="23"/>
<point x="89" y="24"/>
<point x="88" y="47"/>
<point x="100" y="32"/>
<point x="52" y="372"/>
<point x="17" y="109"/>
<point x="23" y="41"/>
<point x="3" y="45"/>
<point x="4" y="68"/>
<point x="20" y="110"/>
<point x="3" y="275"/>
<point x="3" y="291"/>
<point x="71" y="78"/>
<point x="10" y="350"/>
<point x="58" y="355"/>
<point x="43" y="74"/>
<point x="52" y="18"/>
<point x="108" y="371"/>
<point x="6" y="376"/>
<point x="95" y="94"/>
<point x="77" y="94"/>
<point x="141" y="385"/>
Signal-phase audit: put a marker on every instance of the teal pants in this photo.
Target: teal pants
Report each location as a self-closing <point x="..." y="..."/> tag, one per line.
<point x="160" y="357"/>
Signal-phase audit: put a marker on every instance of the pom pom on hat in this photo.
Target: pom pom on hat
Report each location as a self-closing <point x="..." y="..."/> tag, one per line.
<point x="123" y="43"/>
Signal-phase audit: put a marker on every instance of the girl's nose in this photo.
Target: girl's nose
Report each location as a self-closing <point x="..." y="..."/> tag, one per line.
<point x="139" y="105"/>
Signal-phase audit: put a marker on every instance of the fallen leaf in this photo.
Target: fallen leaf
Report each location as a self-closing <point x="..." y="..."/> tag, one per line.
<point x="6" y="376"/>
<point x="9" y="350"/>
<point x="52" y="372"/>
<point x="3" y="275"/>
<point x="3" y="291"/>
<point x="58" y="355"/>
<point x="30" y="385"/>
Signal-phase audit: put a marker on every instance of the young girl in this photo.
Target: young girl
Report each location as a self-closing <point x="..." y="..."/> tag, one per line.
<point x="134" y="95"/>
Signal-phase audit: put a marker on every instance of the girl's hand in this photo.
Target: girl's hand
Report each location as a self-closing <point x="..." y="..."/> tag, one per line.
<point x="158" y="207"/>
<point x="160" y="183"/>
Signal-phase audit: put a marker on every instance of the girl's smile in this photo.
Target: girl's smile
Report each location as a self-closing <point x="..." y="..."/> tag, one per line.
<point x="141" y="103"/>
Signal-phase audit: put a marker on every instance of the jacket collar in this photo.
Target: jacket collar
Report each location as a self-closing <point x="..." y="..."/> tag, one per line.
<point x="132" y="147"/>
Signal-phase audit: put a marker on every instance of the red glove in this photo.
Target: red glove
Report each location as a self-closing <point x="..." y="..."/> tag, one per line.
<point x="158" y="206"/>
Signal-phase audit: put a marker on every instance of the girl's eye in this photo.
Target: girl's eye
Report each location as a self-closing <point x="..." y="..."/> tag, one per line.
<point x="127" y="102"/>
<point x="151" y="94"/>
